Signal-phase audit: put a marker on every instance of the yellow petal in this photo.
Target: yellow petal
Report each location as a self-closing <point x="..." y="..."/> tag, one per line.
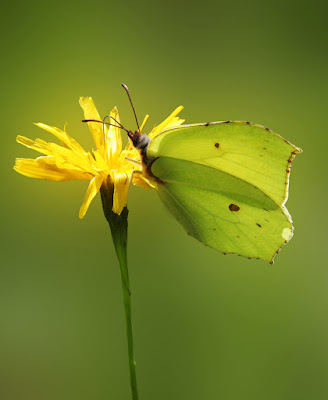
<point x="93" y="189"/>
<point x="73" y="161"/>
<point x="140" y="180"/>
<point x="97" y="129"/>
<point x="121" y="188"/>
<point x="63" y="157"/>
<point x="98" y="163"/>
<point x="45" y="168"/>
<point x="113" y="137"/>
<point x="166" y="123"/>
<point x="174" y="123"/>
<point x="65" y="139"/>
<point x="144" y="122"/>
<point x="39" y="145"/>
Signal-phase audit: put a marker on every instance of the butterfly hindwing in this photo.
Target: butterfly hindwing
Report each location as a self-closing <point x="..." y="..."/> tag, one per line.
<point x="220" y="210"/>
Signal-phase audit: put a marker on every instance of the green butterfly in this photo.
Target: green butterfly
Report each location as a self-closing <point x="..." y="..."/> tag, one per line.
<point x="225" y="182"/>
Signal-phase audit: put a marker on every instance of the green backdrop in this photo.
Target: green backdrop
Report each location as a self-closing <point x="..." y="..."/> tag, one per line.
<point x="206" y="326"/>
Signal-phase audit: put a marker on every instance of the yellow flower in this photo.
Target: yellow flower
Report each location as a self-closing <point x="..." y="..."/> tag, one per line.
<point x="70" y="161"/>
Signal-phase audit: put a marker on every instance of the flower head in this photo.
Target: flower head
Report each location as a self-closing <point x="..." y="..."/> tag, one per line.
<point x="109" y="162"/>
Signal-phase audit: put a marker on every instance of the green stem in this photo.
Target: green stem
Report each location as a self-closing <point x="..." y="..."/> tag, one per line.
<point x="119" y="229"/>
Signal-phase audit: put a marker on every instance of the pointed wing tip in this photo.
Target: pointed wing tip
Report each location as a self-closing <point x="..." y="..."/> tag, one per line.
<point x="296" y="150"/>
<point x="271" y="261"/>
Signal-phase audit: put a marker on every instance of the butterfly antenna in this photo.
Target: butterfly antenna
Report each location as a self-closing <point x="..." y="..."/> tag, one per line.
<point x="118" y="123"/>
<point x="134" y="111"/>
<point x="106" y="123"/>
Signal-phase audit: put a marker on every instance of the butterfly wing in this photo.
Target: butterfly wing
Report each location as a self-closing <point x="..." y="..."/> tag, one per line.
<point x="227" y="196"/>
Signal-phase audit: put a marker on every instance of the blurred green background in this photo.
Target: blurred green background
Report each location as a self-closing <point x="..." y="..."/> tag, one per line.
<point x="206" y="326"/>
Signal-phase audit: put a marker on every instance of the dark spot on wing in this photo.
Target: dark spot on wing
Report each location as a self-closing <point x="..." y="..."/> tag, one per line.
<point x="234" y="207"/>
<point x="217" y="145"/>
<point x="259" y="225"/>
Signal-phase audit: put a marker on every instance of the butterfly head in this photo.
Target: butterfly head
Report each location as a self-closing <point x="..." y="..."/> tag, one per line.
<point x="140" y="141"/>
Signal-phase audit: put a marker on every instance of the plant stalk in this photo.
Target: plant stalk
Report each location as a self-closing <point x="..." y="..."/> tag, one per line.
<point x="119" y="229"/>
